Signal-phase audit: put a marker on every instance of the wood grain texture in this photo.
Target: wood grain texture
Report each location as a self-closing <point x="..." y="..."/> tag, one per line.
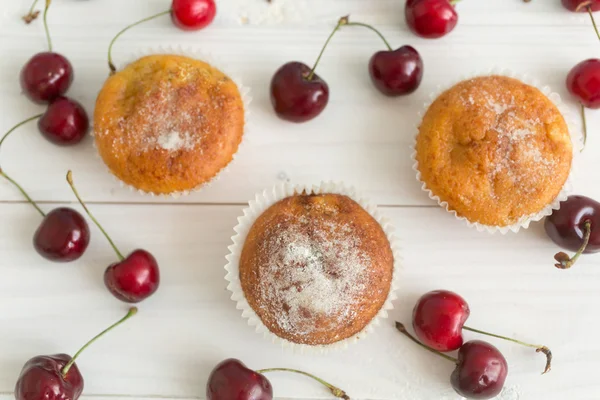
<point x="362" y="138"/>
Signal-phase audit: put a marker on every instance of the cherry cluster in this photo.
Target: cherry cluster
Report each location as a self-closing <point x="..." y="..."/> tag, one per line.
<point x="438" y="321"/>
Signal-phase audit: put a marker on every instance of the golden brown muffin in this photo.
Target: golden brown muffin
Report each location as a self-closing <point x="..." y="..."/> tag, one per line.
<point x="495" y="149"/>
<point x="168" y="123"/>
<point x="316" y="269"/>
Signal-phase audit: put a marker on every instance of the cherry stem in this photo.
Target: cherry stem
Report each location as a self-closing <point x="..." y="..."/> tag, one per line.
<point x="8" y="178"/>
<point x="337" y="392"/>
<point x="538" y="348"/>
<point x="566" y="262"/>
<point x="132" y="311"/>
<point x="454" y="2"/>
<point x="584" y="120"/>
<point x="87" y="211"/>
<point x="373" y="29"/>
<point x="403" y="330"/>
<point x="46" y="24"/>
<point x="112" y="67"/>
<point x="589" y="9"/>
<point x="29" y="199"/>
<point x="342" y="21"/>
<point x="32" y="14"/>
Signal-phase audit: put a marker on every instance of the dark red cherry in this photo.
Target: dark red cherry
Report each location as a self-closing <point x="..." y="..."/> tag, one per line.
<point x="480" y="372"/>
<point x="65" y="122"/>
<point x="297" y="94"/>
<point x="581" y="5"/>
<point x="63" y="235"/>
<point x="438" y="319"/>
<point x="46" y="76"/>
<point x="133" y="279"/>
<point x="583" y="82"/>
<point x="574" y="226"/>
<point x="41" y="379"/>
<point x="232" y="380"/>
<point x="191" y="15"/>
<point x="430" y="18"/>
<point x="398" y="72"/>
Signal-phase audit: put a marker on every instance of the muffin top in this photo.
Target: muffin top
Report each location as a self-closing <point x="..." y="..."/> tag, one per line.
<point x="168" y="123"/>
<point x="495" y="149"/>
<point x="316" y="268"/>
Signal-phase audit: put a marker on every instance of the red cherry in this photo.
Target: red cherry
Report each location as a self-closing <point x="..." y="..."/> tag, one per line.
<point x="296" y="95"/>
<point x="480" y="372"/>
<point x="192" y="15"/>
<point x="65" y="122"/>
<point x="438" y="319"/>
<point x="46" y="76"/>
<point x="430" y="18"/>
<point x="583" y="82"/>
<point x="133" y="279"/>
<point x="231" y="379"/>
<point x="581" y="5"/>
<point x="398" y="72"/>
<point x="56" y="377"/>
<point x="62" y="236"/>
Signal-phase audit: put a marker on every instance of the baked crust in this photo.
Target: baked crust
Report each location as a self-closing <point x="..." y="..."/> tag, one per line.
<point x="495" y="149"/>
<point x="168" y="123"/>
<point x="316" y="269"/>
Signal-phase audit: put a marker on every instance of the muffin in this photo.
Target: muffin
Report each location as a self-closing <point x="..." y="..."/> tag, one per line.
<point x="316" y="268"/>
<point x="495" y="150"/>
<point x="168" y="123"/>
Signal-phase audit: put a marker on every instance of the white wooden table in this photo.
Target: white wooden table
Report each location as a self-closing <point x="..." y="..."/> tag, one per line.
<point x="362" y="139"/>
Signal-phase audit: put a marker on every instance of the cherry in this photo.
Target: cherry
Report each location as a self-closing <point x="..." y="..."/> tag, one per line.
<point x="65" y="122"/>
<point x="431" y="19"/>
<point x="583" y="82"/>
<point x="581" y="5"/>
<point x="192" y="15"/>
<point x="63" y="235"/>
<point x="574" y="227"/>
<point x="133" y="278"/>
<point x="438" y="320"/>
<point x="56" y="376"/>
<point x="231" y="379"/>
<point x="188" y="15"/>
<point x="46" y="75"/>
<point x="480" y="370"/>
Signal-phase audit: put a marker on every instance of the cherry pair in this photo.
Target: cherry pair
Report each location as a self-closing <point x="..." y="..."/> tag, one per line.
<point x="298" y="94"/>
<point x="231" y="379"/>
<point x="438" y="320"/>
<point x="187" y="15"/>
<point x="56" y="376"/>
<point x="45" y="79"/>
<point x="431" y="19"/>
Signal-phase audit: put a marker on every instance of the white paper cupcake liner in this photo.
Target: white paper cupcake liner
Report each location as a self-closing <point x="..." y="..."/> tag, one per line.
<point x="574" y="131"/>
<point x="213" y="61"/>
<point x="256" y="208"/>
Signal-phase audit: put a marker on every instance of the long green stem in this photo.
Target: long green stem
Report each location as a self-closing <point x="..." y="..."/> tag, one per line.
<point x="87" y="211"/>
<point x="132" y="311"/>
<point x="14" y="128"/>
<point x="589" y="9"/>
<point x="566" y="262"/>
<point x="337" y="392"/>
<point x="584" y="121"/>
<point x="538" y="348"/>
<point x="23" y="192"/>
<point x="403" y="330"/>
<point x="46" y="24"/>
<point x="32" y="14"/>
<point x="342" y="21"/>
<point x="112" y="67"/>
<point x="373" y="29"/>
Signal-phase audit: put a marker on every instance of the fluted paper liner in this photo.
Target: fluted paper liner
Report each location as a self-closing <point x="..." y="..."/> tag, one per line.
<point x="260" y="204"/>
<point x="209" y="59"/>
<point x="574" y="131"/>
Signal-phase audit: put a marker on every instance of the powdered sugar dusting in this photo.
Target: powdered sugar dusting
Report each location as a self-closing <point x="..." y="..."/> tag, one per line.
<point x="316" y="272"/>
<point x="174" y="141"/>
